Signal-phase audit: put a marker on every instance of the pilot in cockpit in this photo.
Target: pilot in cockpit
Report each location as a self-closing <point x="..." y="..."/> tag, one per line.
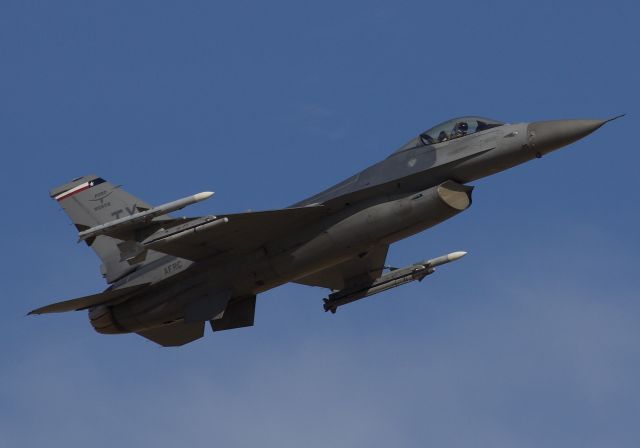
<point x="461" y="128"/>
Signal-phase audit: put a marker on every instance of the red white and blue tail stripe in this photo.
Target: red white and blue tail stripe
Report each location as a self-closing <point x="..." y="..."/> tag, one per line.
<point x="78" y="188"/>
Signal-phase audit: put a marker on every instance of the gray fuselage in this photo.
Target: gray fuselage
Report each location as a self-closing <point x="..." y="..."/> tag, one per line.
<point x="411" y="190"/>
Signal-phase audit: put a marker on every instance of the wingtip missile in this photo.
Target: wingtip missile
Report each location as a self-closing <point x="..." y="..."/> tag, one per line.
<point x="453" y="256"/>
<point x="145" y="216"/>
<point x="444" y="259"/>
<point x="202" y="196"/>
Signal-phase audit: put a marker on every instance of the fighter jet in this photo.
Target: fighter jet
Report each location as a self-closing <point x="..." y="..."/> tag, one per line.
<point x="168" y="275"/>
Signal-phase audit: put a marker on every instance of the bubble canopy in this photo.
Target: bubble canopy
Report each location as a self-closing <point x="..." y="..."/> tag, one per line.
<point x="451" y="129"/>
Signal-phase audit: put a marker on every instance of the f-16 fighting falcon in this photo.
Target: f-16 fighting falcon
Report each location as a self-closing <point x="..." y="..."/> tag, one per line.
<point x="168" y="276"/>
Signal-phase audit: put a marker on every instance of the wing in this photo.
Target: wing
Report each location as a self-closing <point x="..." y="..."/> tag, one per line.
<point x="355" y="270"/>
<point x="82" y="303"/>
<point x="201" y="238"/>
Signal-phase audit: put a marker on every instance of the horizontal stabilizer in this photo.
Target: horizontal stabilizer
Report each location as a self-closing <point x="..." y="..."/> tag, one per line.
<point x="206" y="307"/>
<point x="175" y="334"/>
<point x="83" y="303"/>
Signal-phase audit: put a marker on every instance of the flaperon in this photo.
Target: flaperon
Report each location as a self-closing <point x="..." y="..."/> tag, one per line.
<point x="169" y="276"/>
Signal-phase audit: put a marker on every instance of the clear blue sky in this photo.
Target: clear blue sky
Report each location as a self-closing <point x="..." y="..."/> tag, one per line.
<point x="532" y="340"/>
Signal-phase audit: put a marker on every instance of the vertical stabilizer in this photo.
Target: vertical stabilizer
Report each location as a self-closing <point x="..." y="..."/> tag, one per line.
<point x="90" y="201"/>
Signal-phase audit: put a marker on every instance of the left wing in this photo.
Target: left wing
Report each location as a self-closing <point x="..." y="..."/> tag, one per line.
<point x="356" y="270"/>
<point x="204" y="237"/>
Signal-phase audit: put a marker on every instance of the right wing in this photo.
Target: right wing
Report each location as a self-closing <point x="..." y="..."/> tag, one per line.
<point x="355" y="270"/>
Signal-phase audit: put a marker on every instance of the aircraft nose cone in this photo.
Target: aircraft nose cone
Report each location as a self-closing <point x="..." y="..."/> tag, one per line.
<point x="546" y="136"/>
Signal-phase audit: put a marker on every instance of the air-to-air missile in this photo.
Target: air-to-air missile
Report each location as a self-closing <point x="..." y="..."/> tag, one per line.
<point x="393" y="279"/>
<point x="136" y="219"/>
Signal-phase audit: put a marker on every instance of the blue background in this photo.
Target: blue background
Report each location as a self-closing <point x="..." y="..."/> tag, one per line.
<point x="531" y="340"/>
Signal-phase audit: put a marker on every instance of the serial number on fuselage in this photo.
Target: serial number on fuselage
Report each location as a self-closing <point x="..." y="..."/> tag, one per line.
<point x="173" y="267"/>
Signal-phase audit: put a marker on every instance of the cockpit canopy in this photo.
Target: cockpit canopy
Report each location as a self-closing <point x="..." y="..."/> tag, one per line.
<point x="451" y="129"/>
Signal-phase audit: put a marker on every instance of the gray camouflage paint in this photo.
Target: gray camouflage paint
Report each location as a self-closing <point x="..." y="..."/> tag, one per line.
<point x="411" y="190"/>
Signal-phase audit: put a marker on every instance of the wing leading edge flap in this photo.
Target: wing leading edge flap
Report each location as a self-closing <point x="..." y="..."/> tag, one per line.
<point x="85" y="302"/>
<point x="355" y="270"/>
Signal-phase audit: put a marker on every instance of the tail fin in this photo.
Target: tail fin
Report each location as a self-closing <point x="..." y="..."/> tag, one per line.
<point x="91" y="200"/>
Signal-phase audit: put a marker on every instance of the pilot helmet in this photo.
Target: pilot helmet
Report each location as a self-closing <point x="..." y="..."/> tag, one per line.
<point x="463" y="126"/>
